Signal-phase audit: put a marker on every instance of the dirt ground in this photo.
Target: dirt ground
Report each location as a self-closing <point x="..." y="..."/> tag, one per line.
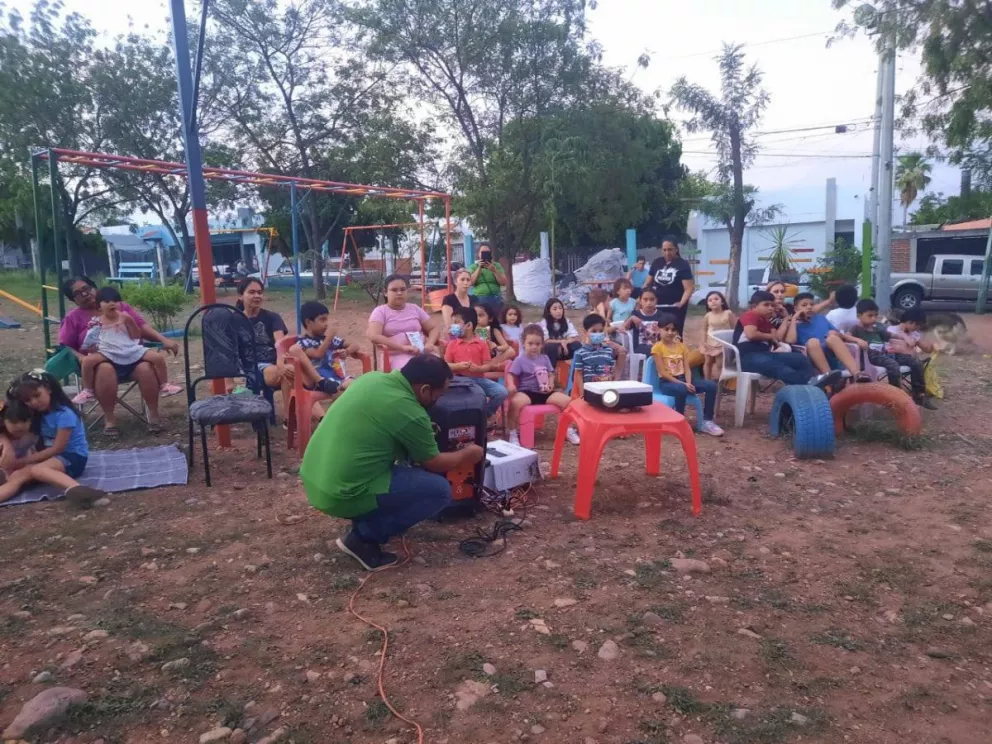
<point x="847" y="600"/>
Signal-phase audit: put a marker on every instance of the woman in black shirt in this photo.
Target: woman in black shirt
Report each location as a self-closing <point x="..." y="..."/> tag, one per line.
<point x="268" y="328"/>
<point x="458" y="299"/>
<point x="671" y="277"/>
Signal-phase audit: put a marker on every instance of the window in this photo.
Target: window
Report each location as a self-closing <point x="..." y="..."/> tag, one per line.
<point x="976" y="267"/>
<point x="931" y="264"/>
<point x="952" y="267"/>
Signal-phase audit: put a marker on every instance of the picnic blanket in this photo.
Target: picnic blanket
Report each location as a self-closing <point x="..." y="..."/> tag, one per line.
<point x="120" y="470"/>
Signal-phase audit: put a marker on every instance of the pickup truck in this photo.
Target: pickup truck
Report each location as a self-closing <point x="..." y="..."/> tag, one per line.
<point x="945" y="278"/>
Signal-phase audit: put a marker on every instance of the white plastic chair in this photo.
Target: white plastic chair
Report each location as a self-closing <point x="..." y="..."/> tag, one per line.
<point x="635" y="361"/>
<point x="746" y="391"/>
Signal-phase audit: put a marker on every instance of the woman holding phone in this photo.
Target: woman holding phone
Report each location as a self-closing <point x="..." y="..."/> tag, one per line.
<point x="488" y="280"/>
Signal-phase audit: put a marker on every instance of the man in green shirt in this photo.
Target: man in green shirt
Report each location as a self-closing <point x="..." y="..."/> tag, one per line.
<point x="488" y="280"/>
<point x="349" y="469"/>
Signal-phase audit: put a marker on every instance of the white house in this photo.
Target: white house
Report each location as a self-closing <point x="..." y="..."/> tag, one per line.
<point x="813" y="217"/>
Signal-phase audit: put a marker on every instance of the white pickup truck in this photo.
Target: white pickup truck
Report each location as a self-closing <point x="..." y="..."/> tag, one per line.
<point x="955" y="278"/>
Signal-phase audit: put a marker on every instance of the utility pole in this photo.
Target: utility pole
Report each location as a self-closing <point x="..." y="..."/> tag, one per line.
<point x="983" y="288"/>
<point x="871" y="238"/>
<point x="883" y="281"/>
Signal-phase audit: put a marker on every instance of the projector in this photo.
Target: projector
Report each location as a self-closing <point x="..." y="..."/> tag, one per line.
<point x="509" y="466"/>
<point x="618" y="395"/>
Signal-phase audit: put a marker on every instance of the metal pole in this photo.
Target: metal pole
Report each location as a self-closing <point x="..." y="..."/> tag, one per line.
<point x="337" y="286"/>
<point x="423" y="257"/>
<point x="876" y="159"/>
<point x="293" y="207"/>
<point x="41" y="252"/>
<point x="447" y="220"/>
<point x="983" y="288"/>
<point x="883" y="281"/>
<point x="53" y="172"/>
<point x="194" y="172"/>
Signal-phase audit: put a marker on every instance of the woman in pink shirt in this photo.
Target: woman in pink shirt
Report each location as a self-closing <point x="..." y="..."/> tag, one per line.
<point x="400" y="327"/>
<point x="82" y="291"/>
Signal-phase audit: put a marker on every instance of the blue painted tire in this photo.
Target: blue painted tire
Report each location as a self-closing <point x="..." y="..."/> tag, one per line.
<point x="803" y="412"/>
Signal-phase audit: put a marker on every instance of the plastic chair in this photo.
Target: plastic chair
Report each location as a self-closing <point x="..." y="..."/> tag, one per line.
<point x="299" y="401"/>
<point x="531" y="416"/>
<point x="597" y="426"/>
<point x="634" y="360"/>
<point x="652" y="378"/>
<point x="747" y="382"/>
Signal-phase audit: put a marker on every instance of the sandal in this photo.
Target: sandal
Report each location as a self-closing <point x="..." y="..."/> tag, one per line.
<point x="83" y="497"/>
<point x="155" y="427"/>
<point x="168" y="389"/>
<point x="862" y="377"/>
<point x="112" y="432"/>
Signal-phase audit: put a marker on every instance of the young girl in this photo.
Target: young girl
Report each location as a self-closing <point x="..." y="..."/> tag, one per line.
<point x="531" y="381"/>
<point x="490" y="331"/>
<point x="675" y="377"/>
<point x="644" y="322"/>
<point x="599" y="303"/>
<point x="623" y="304"/>
<point x="561" y="338"/>
<point x="719" y="318"/>
<point x="113" y="337"/>
<point x="16" y="436"/>
<point x="63" y="436"/>
<point x="510" y="321"/>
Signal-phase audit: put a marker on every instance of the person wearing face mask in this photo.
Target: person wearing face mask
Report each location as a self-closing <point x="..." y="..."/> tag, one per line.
<point x="350" y="468"/>
<point x="488" y="280"/>
<point x="468" y="356"/>
<point x="600" y="360"/>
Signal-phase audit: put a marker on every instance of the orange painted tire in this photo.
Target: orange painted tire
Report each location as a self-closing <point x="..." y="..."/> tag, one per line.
<point x="906" y="412"/>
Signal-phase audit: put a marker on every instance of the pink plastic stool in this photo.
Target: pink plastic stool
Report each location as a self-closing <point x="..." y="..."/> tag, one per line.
<point x="531" y="419"/>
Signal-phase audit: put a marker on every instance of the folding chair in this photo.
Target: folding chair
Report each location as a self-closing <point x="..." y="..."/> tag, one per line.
<point x="228" y="352"/>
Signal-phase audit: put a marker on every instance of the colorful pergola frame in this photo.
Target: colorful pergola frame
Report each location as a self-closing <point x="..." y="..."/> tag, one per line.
<point x="106" y="161"/>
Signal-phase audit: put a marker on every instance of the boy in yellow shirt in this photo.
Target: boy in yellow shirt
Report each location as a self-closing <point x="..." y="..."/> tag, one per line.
<point x="675" y="377"/>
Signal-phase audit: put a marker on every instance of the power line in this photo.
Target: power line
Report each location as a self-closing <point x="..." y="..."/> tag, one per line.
<point x="788" y="154"/>
<point x="751" y="44"/>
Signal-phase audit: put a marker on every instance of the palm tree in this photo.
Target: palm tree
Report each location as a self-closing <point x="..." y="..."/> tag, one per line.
<point x="912" y="177"/>
<point x="782" y="249"/>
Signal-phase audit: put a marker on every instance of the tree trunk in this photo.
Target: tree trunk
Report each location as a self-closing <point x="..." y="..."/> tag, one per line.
<point x="497" y="241"/>
<point x="740" y="215"/>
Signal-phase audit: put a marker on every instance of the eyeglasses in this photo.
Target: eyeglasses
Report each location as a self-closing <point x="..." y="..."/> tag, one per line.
<point x="82" y="291"/>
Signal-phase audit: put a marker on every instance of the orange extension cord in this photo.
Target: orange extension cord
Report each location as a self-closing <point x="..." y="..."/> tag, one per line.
<point x="385" y="640"/>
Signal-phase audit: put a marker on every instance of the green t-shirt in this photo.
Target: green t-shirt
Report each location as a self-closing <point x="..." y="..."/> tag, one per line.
<point x="486" y="284"/>
<point x="349" y="460"/>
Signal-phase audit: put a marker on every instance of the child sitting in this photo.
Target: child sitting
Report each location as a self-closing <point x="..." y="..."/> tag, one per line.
<point x="599" y="302"/>
<point x="511" y="323"/>
<point x="882" y="352"/>
<point x="844" y="317"/>
<point x="113" y="337"/>
<point x="469" y="357"/>
<point x="531" y="381"/>
<point x="669" y="355"/>
<point x="16" y="436"/>
<point x="561" y="340"/>
<point x="488" y="329"/>
<point x="321" y="354"/>
<point x="909" y="331"/>
<point x="756" y="341"/>
<point x="719" y="317"/>
<point x="600" y="360"/>
<point x="623" y="304"/>
<point x="63" y="436"/>
<point x="644" y="322"/>
<point x="825" y="345"/>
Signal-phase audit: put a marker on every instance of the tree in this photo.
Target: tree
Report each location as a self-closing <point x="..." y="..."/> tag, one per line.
<point x="484" y="66"/>
<point x="782" y="250"/>
<point x="730" y="118"/>
<point x="299" y="105"/>
<point x="912" y="177"/>
<point x="46" y="100"/>
<point x="841" y="264"/>
<point x="937" y="209"/>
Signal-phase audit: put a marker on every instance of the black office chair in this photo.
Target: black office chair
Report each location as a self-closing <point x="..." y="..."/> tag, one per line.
<point x="228" y="352"/>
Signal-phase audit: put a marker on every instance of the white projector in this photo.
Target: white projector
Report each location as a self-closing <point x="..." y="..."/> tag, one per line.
<point x="618" y="395"/>
<point x="509" y="466"/>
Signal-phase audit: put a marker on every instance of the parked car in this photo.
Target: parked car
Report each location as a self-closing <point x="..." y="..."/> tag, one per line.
<point x="756" y="279"/>
<point x="954" y="277"/>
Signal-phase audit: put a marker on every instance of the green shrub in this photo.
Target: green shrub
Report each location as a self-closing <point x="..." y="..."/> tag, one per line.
<point x="839" y="265"/>
<point x="163" y="304"/>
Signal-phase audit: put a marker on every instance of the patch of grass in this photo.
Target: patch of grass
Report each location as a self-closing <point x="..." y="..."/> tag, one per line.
<point x="119" y="709"/>
<point x="376" y="713"/>
<point x="227" y="710"/>
<point x="838" y="639"/>
<point x="656" y="730"/>
<point x="982" y="546"/>
<point x="683" y="700"/>
<point x="510" y="683"/>
<point x="858" y="591"/>
<point x="344" y="582"/>
<point x="584" y="580"/>
<point x="447" y="594"/>
<point x="559" y="641"/>
<point x="525" y="613"/>
<point x="892" y="569"/>
<point x="775" y="599"/>
<point x="669" y="613"/>
<point x="771" y="727"/>
<point x="884" y="433"/>
<point x="775" y="652"/>
<point x="649" y="575"/>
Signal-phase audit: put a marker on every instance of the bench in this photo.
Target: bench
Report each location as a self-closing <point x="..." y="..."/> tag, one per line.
<point x="134" y="271"/>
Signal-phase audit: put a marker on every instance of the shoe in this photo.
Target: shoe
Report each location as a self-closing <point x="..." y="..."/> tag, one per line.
<point x="572" y="436"/>
<point x="925" y="401"/>
<point x="370" y="555"/>
<point x="83" y="497"/>
<point x="513" y="438"/>
<point x="827" y="380"/>
<point x="83" y="396"/>
<point x="168" y="389"/>
<point x="711" y="428"/>
<point x="328" y="387"/>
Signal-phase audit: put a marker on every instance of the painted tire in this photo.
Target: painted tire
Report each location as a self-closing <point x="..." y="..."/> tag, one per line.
<point x="906" y="412"/>
<point x="803" y="412"/>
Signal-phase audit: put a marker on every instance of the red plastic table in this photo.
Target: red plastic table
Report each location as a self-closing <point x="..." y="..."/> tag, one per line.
<point x="597" y="426"/>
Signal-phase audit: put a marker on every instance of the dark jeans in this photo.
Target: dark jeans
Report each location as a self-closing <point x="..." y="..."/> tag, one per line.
<point x="494" y="392"/>
<point x="414" y="495"/>
<point x="892" y="362"/>
<point x="790" y="367"/>
<point x="493" y="303"/>
<point x="556" y="354"/>
<point x="705" y="389"/>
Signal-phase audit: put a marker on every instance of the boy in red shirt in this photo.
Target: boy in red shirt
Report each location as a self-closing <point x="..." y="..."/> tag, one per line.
<point x="469" y="358"/>
<point x="756" y="342"/>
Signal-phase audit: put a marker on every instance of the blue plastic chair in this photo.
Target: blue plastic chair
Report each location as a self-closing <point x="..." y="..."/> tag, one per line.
<point x="571" y="378"/>
<point x="651" y="378"/>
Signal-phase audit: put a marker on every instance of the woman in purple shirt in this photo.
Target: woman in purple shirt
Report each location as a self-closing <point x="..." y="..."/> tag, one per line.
<point x="82" y="291"/>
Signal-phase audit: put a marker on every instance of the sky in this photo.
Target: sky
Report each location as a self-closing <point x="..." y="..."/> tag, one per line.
<point x="810" y="85"/>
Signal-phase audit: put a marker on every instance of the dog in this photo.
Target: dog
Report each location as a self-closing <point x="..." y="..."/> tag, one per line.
<point x="946" y="331"/>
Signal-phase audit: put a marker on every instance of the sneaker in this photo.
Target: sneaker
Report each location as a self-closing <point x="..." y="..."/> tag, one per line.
<point x="168" y="389"/>
<point x="83" y="496"/>
<point x="829" y="379"/>
<point x="513" y="437"/>
<point x="925" y="401"/>
<point x="572" y="435"/>
<point x="370" y="555"/>
<point x="83" y="396"/>
<point x="711" y="428"/>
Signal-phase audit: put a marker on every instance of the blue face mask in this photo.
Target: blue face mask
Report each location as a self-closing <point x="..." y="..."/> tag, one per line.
<point x="597" y="338"/>
<point x="457" y="331"/>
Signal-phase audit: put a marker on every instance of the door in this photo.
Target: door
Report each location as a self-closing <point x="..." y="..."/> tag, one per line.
<point x="950" y="281"/>
<point x="975" y="278"/>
